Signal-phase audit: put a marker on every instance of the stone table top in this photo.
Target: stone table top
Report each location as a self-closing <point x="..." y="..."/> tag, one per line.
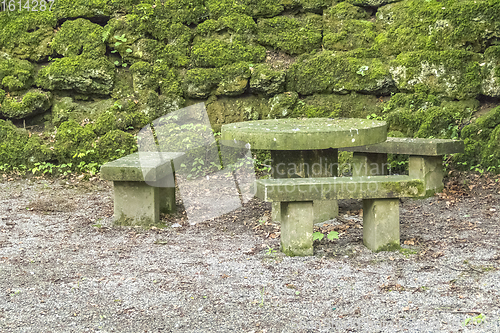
<point x="305" y="134"/>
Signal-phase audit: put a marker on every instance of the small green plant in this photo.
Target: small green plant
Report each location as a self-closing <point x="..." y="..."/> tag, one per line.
<point x="271" y="251"/>
<point x="477" y="320"/>
<point x="331" y="235"/>
<point x="17" y="292"/>
<point x="120" y="40"/>
<point x="407" y="252"/>
<point x="374" y="116"/>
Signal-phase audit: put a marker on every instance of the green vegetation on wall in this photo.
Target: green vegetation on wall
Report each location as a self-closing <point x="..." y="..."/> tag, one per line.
<point x="86" y="76"/>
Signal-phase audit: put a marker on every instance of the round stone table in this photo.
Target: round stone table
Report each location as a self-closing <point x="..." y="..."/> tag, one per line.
<point x="306" y="147"/>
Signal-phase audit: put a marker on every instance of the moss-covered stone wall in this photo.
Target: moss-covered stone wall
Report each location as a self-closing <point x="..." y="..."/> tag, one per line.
<point x="85" y="76"/>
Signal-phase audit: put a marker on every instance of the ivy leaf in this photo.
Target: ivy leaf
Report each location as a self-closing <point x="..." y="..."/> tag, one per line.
<point x="116" y="63"/>
<point x="318" y="236"/>
<point x="333" y="235"/>
<point x="129" y="50"/>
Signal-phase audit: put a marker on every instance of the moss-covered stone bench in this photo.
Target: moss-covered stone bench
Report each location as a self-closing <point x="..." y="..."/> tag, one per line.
<point x="425" y="161"/>
<point x="136" y="200"/>
<point x="380" y="196"/>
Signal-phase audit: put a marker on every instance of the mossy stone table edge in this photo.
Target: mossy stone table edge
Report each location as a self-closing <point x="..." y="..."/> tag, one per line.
<point x="306" y="134"/>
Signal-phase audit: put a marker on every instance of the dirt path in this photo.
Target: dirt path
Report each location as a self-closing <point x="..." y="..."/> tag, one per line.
<point x="65" y="268"/>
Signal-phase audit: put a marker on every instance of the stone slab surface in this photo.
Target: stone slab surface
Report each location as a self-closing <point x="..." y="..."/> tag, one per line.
<point x="141" y="166"/>
<point x="306" y="134"/>
<point x="308" y="189"/>
<point x="413" y="146"/>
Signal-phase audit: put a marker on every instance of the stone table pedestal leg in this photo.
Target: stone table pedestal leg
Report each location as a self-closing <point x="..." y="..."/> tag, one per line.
<point x="306" y="164"/>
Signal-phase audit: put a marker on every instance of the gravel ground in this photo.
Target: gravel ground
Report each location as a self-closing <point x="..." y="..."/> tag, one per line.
<point x="65" y="268"/>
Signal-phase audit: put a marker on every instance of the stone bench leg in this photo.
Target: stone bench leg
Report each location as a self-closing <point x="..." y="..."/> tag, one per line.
<point x="167" y="200"/>
<point x="136" y="203"/>
<point x="381" y="224"/>
<point x="430" y="170"/>
<point x="297" y="228"/>
<point x="369" y="164"/>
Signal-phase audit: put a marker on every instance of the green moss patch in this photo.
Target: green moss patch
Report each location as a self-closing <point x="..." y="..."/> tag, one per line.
<point x="234" y="23"/>
<point x="350" y="35"/>
<point x="425" y="115"/>
<point x="230" y="80"/>
<point x="328" y="72"/>
<point x="282" y="105"/>
<point x="79" y="37"/>
<point x="440" y="25"/>
<point x="27" y="35"/>
<point x="267" y="80"/>
<point x="454" y="74"/>
<point x="230" y="110"/>
<point x="289" y="35"/>
<point x="481" y="145"/>
<point x="31" y="103"/>
<point x="115" y="144"/>
<point x="344" y="11"/>
<point x="352" y="105"/>
<point x="80" y="74"/>
<point x="18" y="148"/>
<point x="16" y="74"/>
<point x="253" y="8"/>
<point x="217" y="53"/>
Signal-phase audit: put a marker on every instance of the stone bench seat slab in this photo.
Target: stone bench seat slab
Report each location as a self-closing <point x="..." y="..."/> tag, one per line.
<point x="136" y="202"/>
<point x="141" y="166"/>
<point x="364" y="187"/>
<point x="380" y="196"/>
<point x="412" y="146"/>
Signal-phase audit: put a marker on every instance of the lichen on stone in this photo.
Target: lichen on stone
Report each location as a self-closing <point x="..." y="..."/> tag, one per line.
<point x="455" y="73"/>
<point x="329" y="72"/>
<point x="282" y="105"/>
<point x="267" y="80"/>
